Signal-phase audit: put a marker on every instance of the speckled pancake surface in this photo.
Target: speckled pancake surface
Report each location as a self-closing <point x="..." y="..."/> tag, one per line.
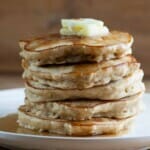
<point x="57" y="49"/>
<point x="127" y="86"/>
<point x="95" y="126"/>
<point x="87" y="109"/>
<point x="80" y="76"/>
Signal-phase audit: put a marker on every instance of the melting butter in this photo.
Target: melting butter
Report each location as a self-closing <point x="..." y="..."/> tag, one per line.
<point x="83" y="27"/>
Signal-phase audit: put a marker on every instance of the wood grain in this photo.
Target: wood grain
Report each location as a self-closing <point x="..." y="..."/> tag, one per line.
<point x="22" y="19"/>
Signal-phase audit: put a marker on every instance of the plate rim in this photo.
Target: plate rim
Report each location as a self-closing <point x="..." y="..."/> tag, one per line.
<point x="71" y="137"/>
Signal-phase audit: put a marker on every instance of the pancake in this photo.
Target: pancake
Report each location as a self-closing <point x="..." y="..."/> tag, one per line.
<point x="95" y="126"/>
<point x="58" y="49"/>
<point x="87" y="109"/>
<point x="80" y="76"/>
<point x="127" y="86"/>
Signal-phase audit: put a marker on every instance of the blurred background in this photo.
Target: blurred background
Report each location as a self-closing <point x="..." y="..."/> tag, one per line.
<point x="21" y="19"/>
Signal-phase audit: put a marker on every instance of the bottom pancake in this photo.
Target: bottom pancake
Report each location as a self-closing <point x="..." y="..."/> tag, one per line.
<point x="95" y="126"/>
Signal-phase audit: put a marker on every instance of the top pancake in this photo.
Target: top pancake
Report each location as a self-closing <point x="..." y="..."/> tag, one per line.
<point x="57" y="49"/>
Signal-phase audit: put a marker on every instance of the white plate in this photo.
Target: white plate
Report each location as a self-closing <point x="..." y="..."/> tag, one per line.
<point x="137" y="139"/>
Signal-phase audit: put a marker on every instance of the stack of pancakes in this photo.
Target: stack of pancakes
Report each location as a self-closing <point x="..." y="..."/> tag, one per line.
<point x="80" y="85"/>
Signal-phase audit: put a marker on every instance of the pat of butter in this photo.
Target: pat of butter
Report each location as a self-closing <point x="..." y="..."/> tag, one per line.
<point x="83" y="27"/>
